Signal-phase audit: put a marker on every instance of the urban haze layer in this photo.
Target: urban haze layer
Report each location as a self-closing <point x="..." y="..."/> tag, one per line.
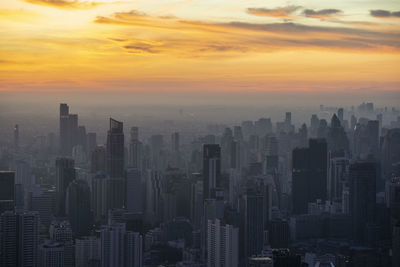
<point x="316" y="186"/>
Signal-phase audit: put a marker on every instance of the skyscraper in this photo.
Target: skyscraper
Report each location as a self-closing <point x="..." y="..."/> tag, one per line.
<point x="135" y="150"/>
<point x="254" y="221"/>
<point x="64" y="129"/>
<point x="211" y="168"/>
<point x="115" y="164"/>
<point x="78" y="207"/>
<point x="98" y="159"/>
<point x="120" y="247"/>
<point x="115" y="149"/>
<point x="99" y="196"/>
<point x="68" y="130"/>
<point x="19" y="238"/>
<point x="134" y="190"/>
<point x="65" y="174"/>
<point x="7" y="196"/>
<point x="362" y="178"/>
<point x="309" y="174"/>
<point x="16" y="137"/>
<point x="222" y="244"/>
<point x="51" y="254"/>
<point x="87" y="250"/>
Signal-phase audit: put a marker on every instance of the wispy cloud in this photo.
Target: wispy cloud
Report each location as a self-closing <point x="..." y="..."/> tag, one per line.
<point x="194" y="37"/>
<point x="379" y="13"/>
<point x="321" y="14"/>
<point x="279" y="12"/>
<point x="65" y="4"/>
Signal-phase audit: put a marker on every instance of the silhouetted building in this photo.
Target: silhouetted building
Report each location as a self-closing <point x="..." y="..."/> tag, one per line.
<point x="98" y="159"/>
<point x="309" y="175"/>
<point x="362" y="178"/>
<point x="7" y="194"/>
<point x="115" y="165"/>
<point x="254" y="221"/>
<point x="211" y="168"/>
<point x="16" y="137"/>
<point x="222" y="244"/>
<point x="19" y="232"/>
<point x="78" y="207"/>
<point x="135" y="196"/>
<point x="65" y="174"/>
<point x="390" y="152"/>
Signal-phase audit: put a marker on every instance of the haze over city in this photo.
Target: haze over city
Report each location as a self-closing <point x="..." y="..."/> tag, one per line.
<point x="192" y="133"/>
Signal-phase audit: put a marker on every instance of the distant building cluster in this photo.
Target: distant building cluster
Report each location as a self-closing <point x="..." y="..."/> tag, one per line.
<point x="258" y="194"/>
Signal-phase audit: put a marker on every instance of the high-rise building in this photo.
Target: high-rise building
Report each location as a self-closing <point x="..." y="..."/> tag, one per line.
<point x="135" y="150"/>
<point x="340" y="114"/>
<point x="222" y="244"/>
<point x="309" y="174"/>
<point x="7" y="180"/>
<point x="87" y="251"/>
<point x="175" y="141"/>
<point x="91" y="142"/>
<point x="99" y="197"/>
<point x="19" y="233"/>
<point x="235" y="155"/>
<point x="82" y="138"/>
<point x="134" y="190"/>
<point x="78" y="207"/>
<point x="65" y="174"/>
<point x="68" y="130"/>
<point x="390" y="152"/>
<point x="115" y="165"/>
<point x="61" y="231"/>
<point x="396" y="245"/>
<point x="64" y="129"/>
<point x="133" y="249"/>
<point x="120" y="247"/>
<point x="51" y="254"/>
<point x="43" y="201"/>
<point x="254" y="222"/>
<point x="362" y="179"/>
<point x="16" y="137"/>
<point x="211" y="168"/>
<point x="338" y="172"/>
<point x="98" y="159"/>
<point x="115" y="149"/>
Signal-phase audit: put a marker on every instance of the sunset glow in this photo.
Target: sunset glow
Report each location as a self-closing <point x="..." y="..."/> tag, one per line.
<point x="197" y="45"/>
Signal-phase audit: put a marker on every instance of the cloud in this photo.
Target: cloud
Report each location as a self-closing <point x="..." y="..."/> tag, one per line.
<point x="139" y="48"/>
<point x="279" y="12"/>
<point x="379" y="13"/>
<point x="321" y="14"/>
<point x="199" y="38"/>
<point x="65" y="4"/>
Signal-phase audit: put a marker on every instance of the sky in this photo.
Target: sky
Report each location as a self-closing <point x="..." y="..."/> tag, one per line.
<point x="188" y="46"/>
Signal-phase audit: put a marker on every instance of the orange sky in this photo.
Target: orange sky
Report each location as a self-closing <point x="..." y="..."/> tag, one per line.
<point x="55" y="45"/>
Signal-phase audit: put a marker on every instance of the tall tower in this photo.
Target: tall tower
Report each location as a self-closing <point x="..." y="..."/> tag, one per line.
<point x="78" y="207"/>
<point x="135" y="149"/>
<point x="211" y="168"/>
<point x="115" y="165"/>
<point x="309" y="174"/>
<point x="134" y="190"/>
<point x="115" y="149"/>
<point x="362" y="176"/>
<point x="254" y="221"/>
<point x="16" y="137"/>
<point x="222" y="244"/>
<point x="7" y="179"/>
<point x="20" y="238"/>
<point x="64" y="136"/>
<point x="65" y="174"/>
